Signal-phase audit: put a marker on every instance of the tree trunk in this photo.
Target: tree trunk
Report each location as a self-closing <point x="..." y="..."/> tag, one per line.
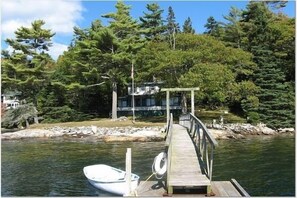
<point x="184" y="103"/>
<point x="114" y="100"/>
<point x="36" y="116"/>
<point x="27" y="123"/>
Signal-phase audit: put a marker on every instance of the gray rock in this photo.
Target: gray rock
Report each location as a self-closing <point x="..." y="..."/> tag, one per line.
<point x="286" y="130"/>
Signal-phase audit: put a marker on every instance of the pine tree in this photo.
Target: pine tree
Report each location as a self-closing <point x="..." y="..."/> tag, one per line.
<point x="233" y="30"/>
<point x="213" y="27"/>
<point x="26" y="68"/>
<point x="152" y="22"/>
<point x="172" y="28"/>
<point x="125" y="40"/>
<point x="187" y="27"/>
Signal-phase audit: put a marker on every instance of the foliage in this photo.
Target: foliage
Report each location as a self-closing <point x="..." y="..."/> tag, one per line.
<point x="172" y="28"/>
<point x="20" y="116"/>
<point x="213" y="27"/>
<point x="26" y="68"/>
<point x="187" y="27"/>
<point x="63" y="114"/>
<point x="152" y="22"/>
<point x="275" y="97"/>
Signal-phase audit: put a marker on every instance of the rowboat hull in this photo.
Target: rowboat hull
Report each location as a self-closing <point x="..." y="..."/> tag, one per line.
<point x="109" y="179"/>
<point x="119" y="188"/>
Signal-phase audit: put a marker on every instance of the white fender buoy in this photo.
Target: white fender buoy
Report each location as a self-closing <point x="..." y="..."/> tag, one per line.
<point x="157" y="169"/>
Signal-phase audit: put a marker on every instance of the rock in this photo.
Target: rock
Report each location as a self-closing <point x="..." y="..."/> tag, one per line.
<point x="265" y="130"/>
<point x="268" y="131"/>
<point x="286" y="130"/>
<point x="122" y="118"/>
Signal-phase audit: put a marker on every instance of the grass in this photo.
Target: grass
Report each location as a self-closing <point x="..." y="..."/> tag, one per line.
<point x="208" y="116"/>
<point x="104" y="122"/>
<point x="205" y="116"/>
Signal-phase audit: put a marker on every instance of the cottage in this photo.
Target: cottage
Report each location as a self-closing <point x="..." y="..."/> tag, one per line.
<point x="148" y="101"/>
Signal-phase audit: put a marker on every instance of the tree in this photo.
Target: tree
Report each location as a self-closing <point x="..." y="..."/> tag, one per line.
<point x="19" y="116"/>
<point x="152" y="22"/>
<point x="276" y="106"/>
<point x="213" y="27"/>
<point x="123" y="35"/>
<point x="178" y="68"/>
<point x="26" y="68"/>
<point x="214" y="80"/>
<point x="233" y="29"/>
<point x="187" y="27"/>
<point x="277" y="4"/>
<point x="172" y="28"/>
<point x="282" y="41"/>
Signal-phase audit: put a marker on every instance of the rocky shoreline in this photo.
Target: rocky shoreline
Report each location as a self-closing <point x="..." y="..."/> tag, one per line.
<point x="239" y="131"/>
<point x="225" y="131"/>
<point x="94" y="132"/>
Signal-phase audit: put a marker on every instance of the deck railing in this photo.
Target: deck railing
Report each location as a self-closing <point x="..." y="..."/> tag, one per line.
<point x="204" y="142"/>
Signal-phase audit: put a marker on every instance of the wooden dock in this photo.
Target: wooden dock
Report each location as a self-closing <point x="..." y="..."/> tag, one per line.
<point x="189" y="165"/>
<point x="185" y="170"/>
<point x="219" y="189"/>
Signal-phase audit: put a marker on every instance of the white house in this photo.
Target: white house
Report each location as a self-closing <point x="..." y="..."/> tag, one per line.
<point x="9" y="101"/>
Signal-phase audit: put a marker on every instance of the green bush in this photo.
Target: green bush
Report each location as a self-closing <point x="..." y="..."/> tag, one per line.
<point x="63" y="114"/>
<point x="253" y="118"/>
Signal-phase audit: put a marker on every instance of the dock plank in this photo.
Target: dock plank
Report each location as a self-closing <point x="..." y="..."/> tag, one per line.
<point x="154" y="189"/>
<point x="225" y="189"/>
<point x="185" y="169"/>
<point x="150" y="189"/>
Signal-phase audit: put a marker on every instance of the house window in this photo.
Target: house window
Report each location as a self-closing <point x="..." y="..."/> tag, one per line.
<point x="175" y="101"/>
<point x="153" y="102"/>
<point x="150" y="102"/>
<point x="163" y="102"/>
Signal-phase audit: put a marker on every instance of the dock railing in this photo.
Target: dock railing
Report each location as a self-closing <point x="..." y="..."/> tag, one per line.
<point x="168" y="145"/>
<point x="169" y="130"/>
<point x="204" y="142"/>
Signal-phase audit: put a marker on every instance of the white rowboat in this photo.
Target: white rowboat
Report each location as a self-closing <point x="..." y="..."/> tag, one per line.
<point x="110" y="179"/>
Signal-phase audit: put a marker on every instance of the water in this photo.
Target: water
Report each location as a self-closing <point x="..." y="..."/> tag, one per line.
<point x="263" y="166"/>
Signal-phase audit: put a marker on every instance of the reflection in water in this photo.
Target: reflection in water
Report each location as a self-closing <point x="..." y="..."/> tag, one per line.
<point x="263" y="166"/>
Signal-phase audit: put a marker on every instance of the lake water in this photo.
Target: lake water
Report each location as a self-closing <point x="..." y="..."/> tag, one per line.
<point x="53" y="167"/>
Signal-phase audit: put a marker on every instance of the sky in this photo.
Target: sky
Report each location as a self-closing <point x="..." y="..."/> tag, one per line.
<point x="62" y="15"/>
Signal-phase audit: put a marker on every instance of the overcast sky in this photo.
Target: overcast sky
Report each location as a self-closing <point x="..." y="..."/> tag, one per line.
<point x="62" y="15"/>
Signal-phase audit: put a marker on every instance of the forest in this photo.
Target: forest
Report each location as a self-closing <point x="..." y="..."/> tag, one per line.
<point x="245" y="64"/>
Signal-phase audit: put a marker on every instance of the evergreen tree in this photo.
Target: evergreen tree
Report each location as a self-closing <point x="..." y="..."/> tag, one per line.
<point x="124" y="38"/>
<point x="233" y="30"/>
<point x="276" y="107"/>
<point x="187" y="27"/>
<point x="172" y="28"/>
<point x="26" y="68"/>
<point x="213" y="27"/>
<point x="152" y="22"/>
